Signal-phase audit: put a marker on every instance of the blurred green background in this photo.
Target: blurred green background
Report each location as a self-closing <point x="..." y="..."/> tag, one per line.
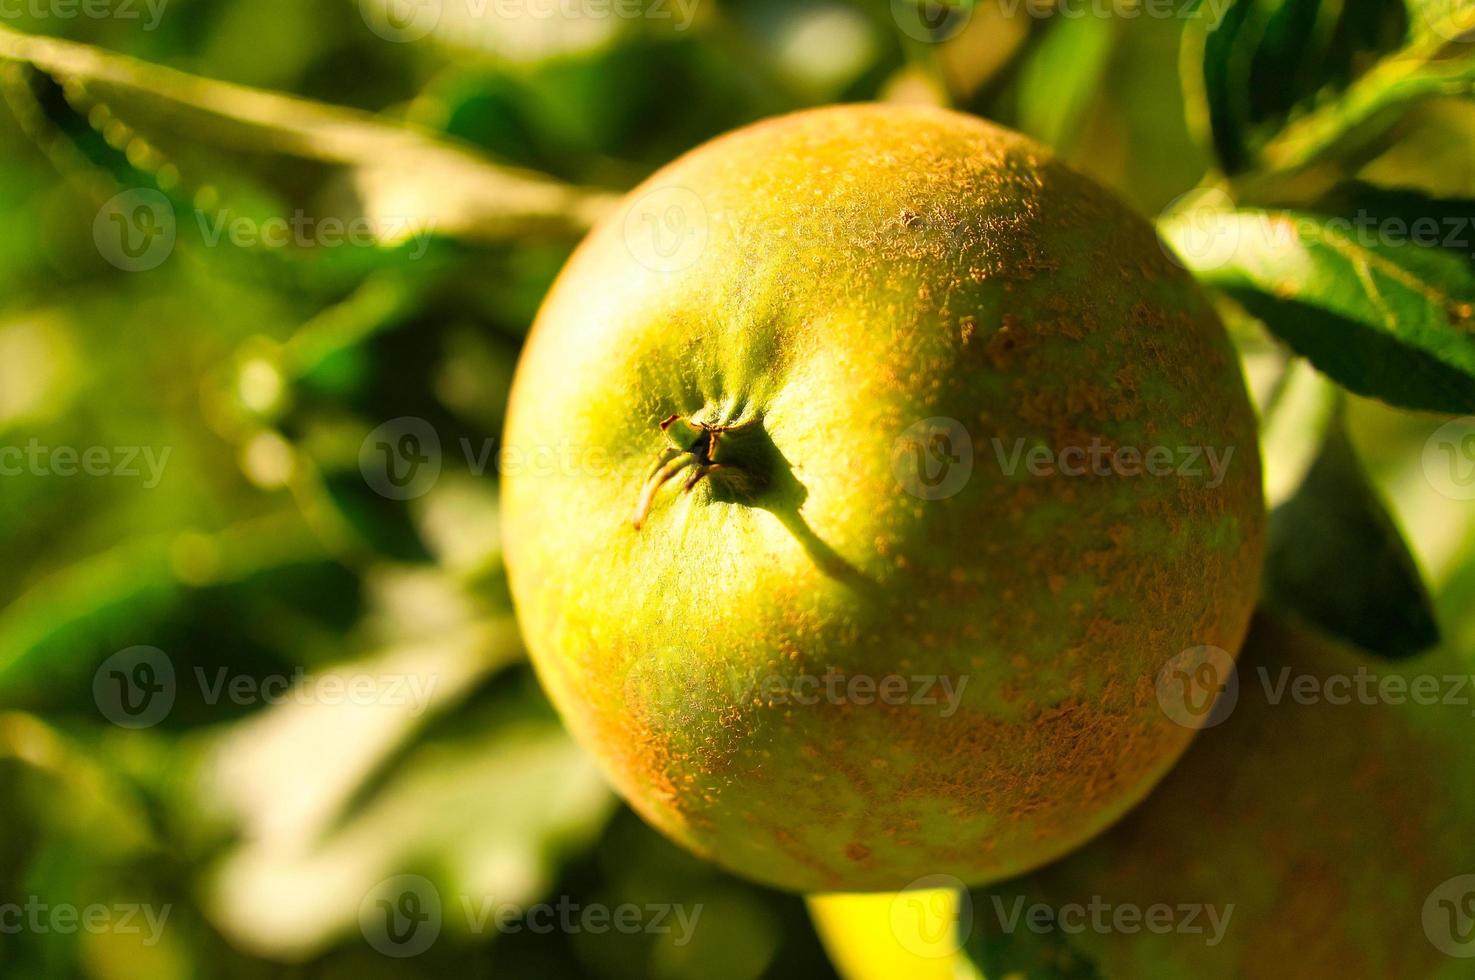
<point x="230" y="387"/>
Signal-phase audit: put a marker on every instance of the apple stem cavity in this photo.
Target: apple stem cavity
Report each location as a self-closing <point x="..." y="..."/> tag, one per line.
<point x="701" y="447"/>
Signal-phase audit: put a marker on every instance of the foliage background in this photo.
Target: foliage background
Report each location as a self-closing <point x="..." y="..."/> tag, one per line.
<point x="265" y="552"/>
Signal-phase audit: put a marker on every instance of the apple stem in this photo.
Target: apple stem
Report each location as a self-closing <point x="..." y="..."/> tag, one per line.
<point x="664" y="471"/>
<point x="694" y="445"/>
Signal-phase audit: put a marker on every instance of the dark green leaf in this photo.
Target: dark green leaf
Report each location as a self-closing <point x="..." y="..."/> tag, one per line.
<point x="1007" y="941"/>
<point x="1337" y="560"/>
<point x="1251" y="69"/>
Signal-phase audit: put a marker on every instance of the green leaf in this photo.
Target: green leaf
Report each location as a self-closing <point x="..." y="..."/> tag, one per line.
<point x="1434" y="63"/>
<point x="1337" y="560"/>
<point x="162" y="127"/>
<point x="1063" y="76"/>
<point x="1259" y="63"/>
<point x="1385" y="319"/>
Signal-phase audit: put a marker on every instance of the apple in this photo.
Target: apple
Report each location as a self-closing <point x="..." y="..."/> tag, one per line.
<point x="1323" y="830"/>
<point x="861" y="474"/>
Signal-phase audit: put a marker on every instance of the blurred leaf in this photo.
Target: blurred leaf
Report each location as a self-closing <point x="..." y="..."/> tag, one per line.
<point x="1062" y="76"/>
<point x="1336" y="559"/>
<point x="401" y="181"/>
<point x="482" y="807"/>
<point x="1390" y="321"/>
<point x="57" y="626"/>
<point x="1435" y="64"/>
<point x="256" y="768"/>
<point x="1431" y="153"/>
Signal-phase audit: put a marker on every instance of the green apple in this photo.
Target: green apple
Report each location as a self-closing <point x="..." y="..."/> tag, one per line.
<point x="861" y="473"/>
<point x="1326" y="829"/>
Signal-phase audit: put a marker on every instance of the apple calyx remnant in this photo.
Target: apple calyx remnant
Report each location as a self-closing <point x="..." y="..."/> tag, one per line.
<point x="700" y="447"/>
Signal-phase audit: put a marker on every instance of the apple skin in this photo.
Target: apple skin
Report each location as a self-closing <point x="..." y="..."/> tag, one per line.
<point x="844" y="273"/>
<point x="1326" y="826"/>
